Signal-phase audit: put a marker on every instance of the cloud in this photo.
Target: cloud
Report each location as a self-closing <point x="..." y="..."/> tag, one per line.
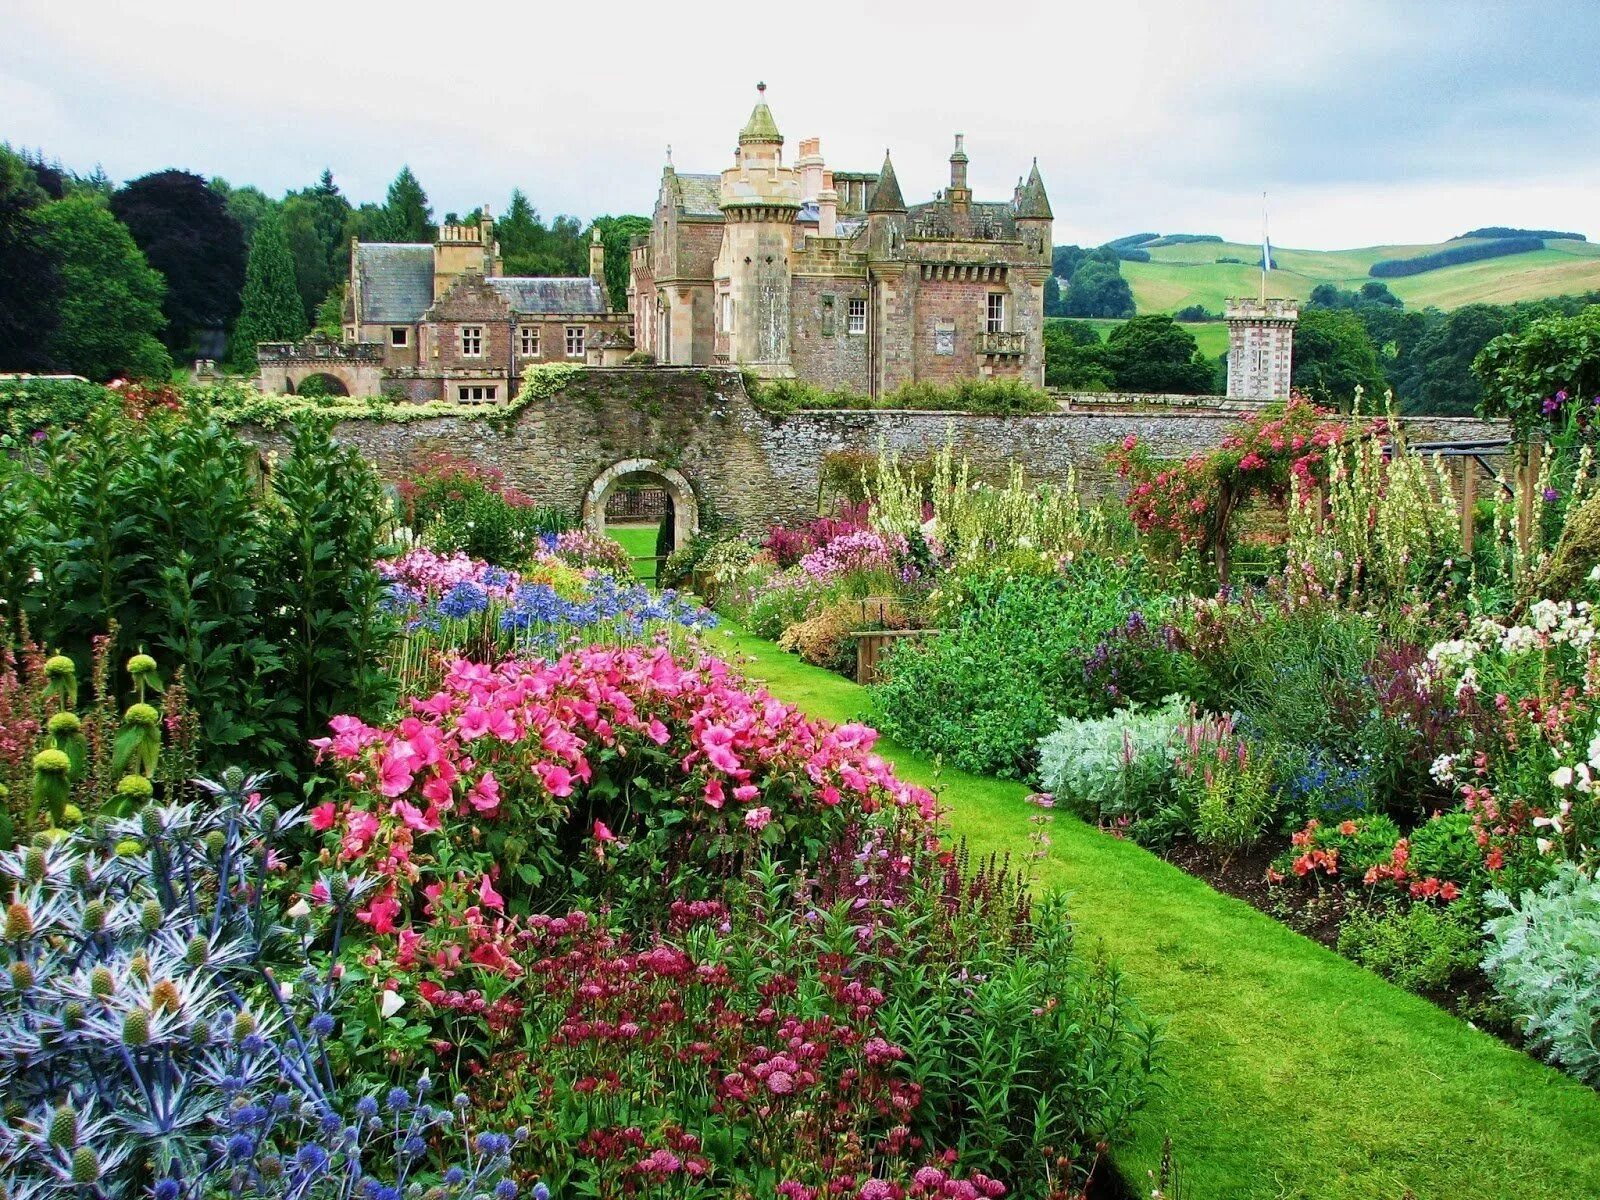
<point x="1143" y="115"/>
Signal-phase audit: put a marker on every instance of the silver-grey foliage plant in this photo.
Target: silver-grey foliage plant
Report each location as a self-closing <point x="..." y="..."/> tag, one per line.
<point x="1543" y="956"/>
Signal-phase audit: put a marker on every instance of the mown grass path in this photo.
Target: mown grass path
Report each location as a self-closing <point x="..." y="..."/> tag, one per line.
<point x="1290" y="1071"/>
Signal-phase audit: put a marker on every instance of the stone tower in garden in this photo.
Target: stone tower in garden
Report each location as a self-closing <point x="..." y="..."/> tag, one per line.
<point x="1260" y="348"/>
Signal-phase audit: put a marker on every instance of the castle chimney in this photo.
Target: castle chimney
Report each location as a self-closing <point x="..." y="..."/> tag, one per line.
<point x="810" y="164"/>
<point x="827" y="208"/>
<point x="597" y="258"/>
<point x="959" y="195"/>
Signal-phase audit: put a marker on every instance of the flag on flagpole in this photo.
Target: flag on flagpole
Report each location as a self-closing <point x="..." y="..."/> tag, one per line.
<point x="1266" y="248"/>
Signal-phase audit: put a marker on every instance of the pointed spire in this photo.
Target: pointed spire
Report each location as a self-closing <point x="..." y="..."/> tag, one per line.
<point x="886" y="192"/>
<point x="760" y="129"/>
<point x="1031" y="200"/>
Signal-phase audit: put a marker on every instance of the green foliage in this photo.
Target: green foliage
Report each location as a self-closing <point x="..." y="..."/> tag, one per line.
<point x="110" y="299"/>
<point x="1521" y="370"/>
<point x="272" y="309"/>
<point x="985" y="395"/>
<point x="1333" y="356"/>
<point x="30" y="404"/>
<point x="164" y="526"/>
<point x="187" y="234"/>
<point x="1542" y="953"/>
<point x="314" y="222"/>
<point x="530" y="247"/>
<point x="1155" y="354"/>
<point x="1233" y="801"/>
<point x="1421" y="947"/>
<point x="1446" y="847"/>
<point x="1074" y="358"/>
<point x="1009" y="666"/>
<point x="407" y="216"/>
<point x="1099" y="290"/>
<point x="30" y="270"/>
<point x="247" y="205"/>
<point x="1395" y="268"/>
<point x="616" y="235"/>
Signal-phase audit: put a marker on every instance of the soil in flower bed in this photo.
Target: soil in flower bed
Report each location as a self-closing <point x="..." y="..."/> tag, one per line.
<point x="1319" y="912"/>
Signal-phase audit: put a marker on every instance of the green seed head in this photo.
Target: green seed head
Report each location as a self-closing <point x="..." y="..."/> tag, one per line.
<point x="143" y="715"/>
<point x="150" y="916"/>
<point x="94" y="916"/>
<point x="197" y="952"/>
<point x="22" y="976"/>
<point x="101" y="983"/>
<point x="339" y="888"/>
<point x="63" y="1128"/>
<point x="64" y="724"/>
<point x="73" y="1014"/>
<point x="85" y="1166"/>
<point x="244" y="1024"/>
<point x="71" y="814"/>
<point x="128" y="847"/>
<point x="59" y="666"/>
<point x="141" y="664"/>
<point x="33" y="864"/>
<point x="216" y="843"/>
<point x="136" y="1028"/>
<point x="150" y="823"/>
<point x="51" y="762"/>
<point x="19" y="921"/>
<point x="79" y="875"/>
<point x="164" y="997"/>
<point x="135" y="787"/>
<point x="139" y="967"/>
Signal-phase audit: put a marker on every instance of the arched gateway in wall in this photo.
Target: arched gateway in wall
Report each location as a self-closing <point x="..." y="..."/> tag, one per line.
<point x="685" y="507"/>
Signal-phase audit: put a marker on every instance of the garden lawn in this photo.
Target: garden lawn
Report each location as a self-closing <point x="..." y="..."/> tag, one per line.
<point x="640" y="543"/>
<point x="1290" y="1071"/>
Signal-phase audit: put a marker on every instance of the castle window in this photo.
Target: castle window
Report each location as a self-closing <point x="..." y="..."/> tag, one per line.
<point x="472" y="341"/>
<point x="574" y="341"/>
<point x="727" y="312"/>
<point x="349" y="333"/>
<point x="996" y="322"/>
<point x="477" y="394"/>
<point x="399" y="335"/>
<point x="528" y="341"/>
<point x="856" y="316"/>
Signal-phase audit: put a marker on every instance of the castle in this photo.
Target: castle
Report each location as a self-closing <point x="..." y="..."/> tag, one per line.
<point x="830" y="277"/>
<point x="441" y="321"/>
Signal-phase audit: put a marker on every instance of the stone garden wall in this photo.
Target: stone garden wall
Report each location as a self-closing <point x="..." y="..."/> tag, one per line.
<point x="751" y="468"/>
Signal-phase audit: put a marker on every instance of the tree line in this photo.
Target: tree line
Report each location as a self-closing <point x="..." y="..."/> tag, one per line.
<point x="104" y="281"/>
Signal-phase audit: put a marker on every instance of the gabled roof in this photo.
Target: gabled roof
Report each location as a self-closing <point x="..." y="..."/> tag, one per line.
<point x="1032" y="201"/>
<point x="396" y="281"/>
<point x="886" y="195"/>
<point x="539" y="294"/>
<point x="697" y="195"/>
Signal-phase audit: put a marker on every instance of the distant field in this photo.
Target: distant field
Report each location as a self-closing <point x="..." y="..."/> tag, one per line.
<point x="1210" y="336"/>
<point x="1178" y="276"/>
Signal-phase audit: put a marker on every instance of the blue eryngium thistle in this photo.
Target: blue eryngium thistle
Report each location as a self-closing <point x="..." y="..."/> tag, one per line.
<point x="148" y="1045"/>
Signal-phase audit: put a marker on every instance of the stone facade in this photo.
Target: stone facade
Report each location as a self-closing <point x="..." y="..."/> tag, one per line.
<point x="1260" y="348"/>
<point x="696" y="430"/>
<point x="441" y="321"/>
<point x="341" y="369"/>
<point x="799" y="271"/>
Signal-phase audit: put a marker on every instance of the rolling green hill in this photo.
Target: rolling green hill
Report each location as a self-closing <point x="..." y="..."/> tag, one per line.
<point x="1177" y="276"/>
<point x="1210" y="336"/>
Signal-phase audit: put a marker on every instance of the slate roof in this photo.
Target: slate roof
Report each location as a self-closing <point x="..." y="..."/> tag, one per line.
<point x="886" y="193"/>
<point x="396" y="281"/>
<point x="538" y="294"/>
<point x="699" y="195"/>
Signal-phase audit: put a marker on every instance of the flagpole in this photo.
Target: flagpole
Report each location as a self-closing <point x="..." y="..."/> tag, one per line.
<point x="1266" y="249"/>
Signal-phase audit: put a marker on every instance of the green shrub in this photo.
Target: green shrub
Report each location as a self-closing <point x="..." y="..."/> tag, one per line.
<point x="27" y="405"/>
<point x="1010" y="664"/>
<point x="1542" y="957"/>
<point x="1421" y="947"/>
<point x="261" y="590"/>
<point x="1446" y="847"/>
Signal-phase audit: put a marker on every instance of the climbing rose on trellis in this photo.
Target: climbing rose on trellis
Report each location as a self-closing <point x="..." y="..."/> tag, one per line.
<point x="1186" y="505"/>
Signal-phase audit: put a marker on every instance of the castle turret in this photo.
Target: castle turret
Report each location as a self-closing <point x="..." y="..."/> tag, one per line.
<point x="1034" y="216"/>
<point x="759" y="198"/>
<point x="1260" y="347"/>
<point x="886" y="215"/>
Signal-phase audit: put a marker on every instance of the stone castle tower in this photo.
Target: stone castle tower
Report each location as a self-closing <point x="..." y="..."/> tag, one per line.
<point x="760" y="198"/>
<point x="1260" y="348"/>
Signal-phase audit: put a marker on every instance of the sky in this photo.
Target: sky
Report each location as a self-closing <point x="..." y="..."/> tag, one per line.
<point x="1363" y="122"/>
